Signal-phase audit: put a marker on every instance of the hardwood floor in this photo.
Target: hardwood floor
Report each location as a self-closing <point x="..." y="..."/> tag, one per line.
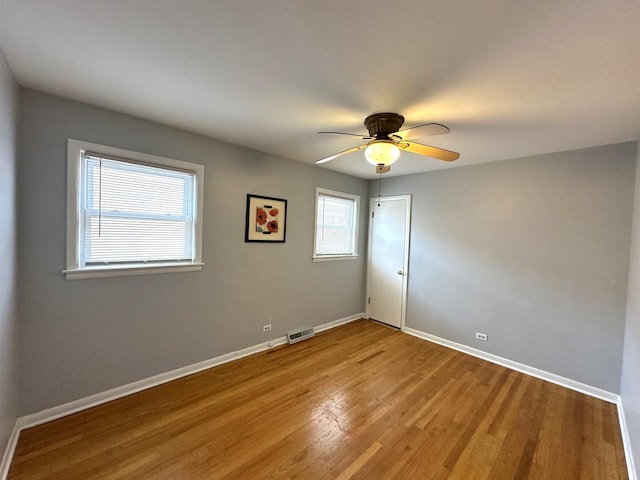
<point x="360" y="401"/>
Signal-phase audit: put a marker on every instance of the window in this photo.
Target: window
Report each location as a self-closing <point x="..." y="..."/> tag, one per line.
<point x="130" y="213"/>
<point x="336" y="232"/>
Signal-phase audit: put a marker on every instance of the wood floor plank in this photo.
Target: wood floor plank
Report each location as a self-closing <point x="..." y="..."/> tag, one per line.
<point x="361" y="401"/>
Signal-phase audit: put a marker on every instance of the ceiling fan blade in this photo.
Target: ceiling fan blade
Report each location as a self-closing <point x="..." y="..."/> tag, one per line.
<point x="428" y="151"/>
<point x="363" y="137"/>
<point x="428" y="129"/>
<point x="339" y="154"/>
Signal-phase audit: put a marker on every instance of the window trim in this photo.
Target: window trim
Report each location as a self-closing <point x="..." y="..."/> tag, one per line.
<point x="356" y="220"/>
<point x="75" y="152"/>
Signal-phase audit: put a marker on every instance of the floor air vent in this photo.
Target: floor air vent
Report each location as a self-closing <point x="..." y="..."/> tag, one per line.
<point x="301" y="334"/>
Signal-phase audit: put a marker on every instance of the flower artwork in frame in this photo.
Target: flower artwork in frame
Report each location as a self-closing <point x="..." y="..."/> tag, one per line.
<point x="266" y="219"/>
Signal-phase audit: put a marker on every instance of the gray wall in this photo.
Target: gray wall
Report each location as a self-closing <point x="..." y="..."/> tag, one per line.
<point x="86" y="336"/>
<point x="533" y="252"/>
<point x="630" y="383"/>
<point x="8" y="327"/>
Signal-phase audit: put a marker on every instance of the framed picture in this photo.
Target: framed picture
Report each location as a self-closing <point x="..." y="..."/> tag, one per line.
<point x="266" y="219"/>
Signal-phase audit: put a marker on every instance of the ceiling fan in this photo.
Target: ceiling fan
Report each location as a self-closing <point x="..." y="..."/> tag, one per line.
<point x="385" y="142"/>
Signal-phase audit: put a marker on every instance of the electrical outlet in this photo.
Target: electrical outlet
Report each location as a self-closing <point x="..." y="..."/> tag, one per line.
<point x="482" y="336"/>
<point x="266" y="328"/>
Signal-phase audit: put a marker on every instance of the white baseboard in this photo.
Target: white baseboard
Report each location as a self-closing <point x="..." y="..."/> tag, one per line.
<point x="336" y="323"/>
<point x="626" y="441"/>
<point x="8" y="452"/>
<point x="75" y="406"/>
<point x="520" y="367"/>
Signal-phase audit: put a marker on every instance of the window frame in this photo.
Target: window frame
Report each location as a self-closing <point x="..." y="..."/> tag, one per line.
<point x="75" y="154"/>
<point x="356" y="220"/>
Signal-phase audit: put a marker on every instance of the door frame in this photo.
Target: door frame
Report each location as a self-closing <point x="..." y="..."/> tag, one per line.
<point x="405" y="267"/>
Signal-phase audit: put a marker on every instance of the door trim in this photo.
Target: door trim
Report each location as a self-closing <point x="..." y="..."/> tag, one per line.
<point x="405" y="267"/>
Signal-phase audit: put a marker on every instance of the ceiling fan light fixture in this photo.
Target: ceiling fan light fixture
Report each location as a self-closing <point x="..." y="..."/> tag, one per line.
<point x="382" y="152"/>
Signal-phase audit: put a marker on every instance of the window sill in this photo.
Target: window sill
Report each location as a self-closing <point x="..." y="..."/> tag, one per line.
<point x="122" y="271"/>
<point x="332" y="258"/>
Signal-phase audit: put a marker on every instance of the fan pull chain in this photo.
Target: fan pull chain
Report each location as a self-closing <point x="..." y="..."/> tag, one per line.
<point x="379" y="182"/>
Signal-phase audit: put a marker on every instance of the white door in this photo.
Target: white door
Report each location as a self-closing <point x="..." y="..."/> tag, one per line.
<point x="388" y="259"/>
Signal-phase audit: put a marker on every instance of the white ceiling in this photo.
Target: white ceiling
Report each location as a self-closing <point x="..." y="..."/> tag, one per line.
<point x="510" y="78"/>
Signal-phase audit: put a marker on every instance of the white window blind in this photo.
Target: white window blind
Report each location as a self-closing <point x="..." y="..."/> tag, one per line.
<point x="134" y="213"/>
<point x="336" y="218"/>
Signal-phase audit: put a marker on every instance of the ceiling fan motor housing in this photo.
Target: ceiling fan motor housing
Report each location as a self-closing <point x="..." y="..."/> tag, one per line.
<point x="381" y="125"/>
